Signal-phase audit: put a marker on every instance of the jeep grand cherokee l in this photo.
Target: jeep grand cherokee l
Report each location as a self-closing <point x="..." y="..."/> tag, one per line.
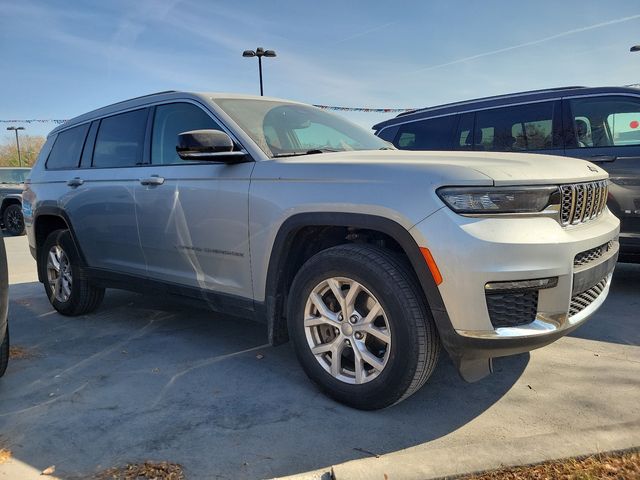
<point x="599" y="124"/>
<point x="368" y="258"/>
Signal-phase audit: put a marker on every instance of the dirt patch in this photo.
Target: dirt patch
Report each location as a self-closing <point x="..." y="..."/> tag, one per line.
<point x="16" y="352"/>
<point x="143" y="471"/>
<point x="5" y="455"/>
<point x="620" y="466"/>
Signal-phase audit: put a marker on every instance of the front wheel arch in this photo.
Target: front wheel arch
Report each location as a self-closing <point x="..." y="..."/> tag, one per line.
<point x="278" y="279"/>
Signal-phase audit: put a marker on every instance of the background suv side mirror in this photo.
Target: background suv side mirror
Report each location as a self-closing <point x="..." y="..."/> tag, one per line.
<point x="211" y="145"/>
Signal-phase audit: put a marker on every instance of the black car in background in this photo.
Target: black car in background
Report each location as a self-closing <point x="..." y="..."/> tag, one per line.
<point x="11" y="187"/>
<point x="600" y="124"/>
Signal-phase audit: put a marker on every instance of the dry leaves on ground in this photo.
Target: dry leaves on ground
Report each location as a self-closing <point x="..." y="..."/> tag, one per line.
<point x="619" y="466"/>
<point x="16" y="352"/>
<point x="5" y="455"/>
<point x="143" y="471"/>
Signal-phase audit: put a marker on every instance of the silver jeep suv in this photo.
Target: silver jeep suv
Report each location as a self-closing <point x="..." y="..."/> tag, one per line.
<point x="366" y="257"/>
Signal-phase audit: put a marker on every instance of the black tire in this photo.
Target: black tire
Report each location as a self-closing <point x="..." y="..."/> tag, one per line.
<point x="13" y="220"/>
<point x="4" y="353"/>
<point x="415" y="345"/>
<point x="84" y="296"/>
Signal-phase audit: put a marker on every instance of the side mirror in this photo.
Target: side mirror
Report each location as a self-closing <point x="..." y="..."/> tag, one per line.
<point x="211" y="145"/>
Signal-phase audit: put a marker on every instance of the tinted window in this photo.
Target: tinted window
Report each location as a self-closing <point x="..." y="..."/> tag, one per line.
<point x="519" y="128"/>
<point x="67" y="148"/>
<point x="171" y="120"/>
<point x="120" y="140"/>
<point x="432" y="134"/>
<point x="606" y="121"/>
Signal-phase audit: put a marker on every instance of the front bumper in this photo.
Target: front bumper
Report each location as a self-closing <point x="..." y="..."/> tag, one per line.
<point x="472" y="252"/>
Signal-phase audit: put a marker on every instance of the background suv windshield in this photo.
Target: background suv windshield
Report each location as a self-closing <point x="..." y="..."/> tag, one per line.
<point x="10" y="175"/>
<point x="280" y="128"/>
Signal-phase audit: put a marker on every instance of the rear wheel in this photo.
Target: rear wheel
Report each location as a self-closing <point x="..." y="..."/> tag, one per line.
<point x="361" y="327"/>
<point x="13" y="219"/>
<point x="65" y="281"/>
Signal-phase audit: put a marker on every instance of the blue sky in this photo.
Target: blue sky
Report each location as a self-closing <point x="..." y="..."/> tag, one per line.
<point x="63" y="58"/>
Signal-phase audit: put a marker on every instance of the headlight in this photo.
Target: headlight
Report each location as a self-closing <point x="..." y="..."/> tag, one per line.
<point x="488" y="200"/>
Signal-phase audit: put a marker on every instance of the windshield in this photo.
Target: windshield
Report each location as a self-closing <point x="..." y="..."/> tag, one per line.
<point x="9" y="175"/>
<point x="283" y="129"/>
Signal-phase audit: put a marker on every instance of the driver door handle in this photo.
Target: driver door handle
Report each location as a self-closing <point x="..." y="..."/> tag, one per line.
<point x="152" y="180"/>
<point x="75" y="182"/>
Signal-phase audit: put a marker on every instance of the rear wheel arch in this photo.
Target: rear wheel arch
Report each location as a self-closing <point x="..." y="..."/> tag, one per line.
<point x="334" y="228"/>
<point x="49" y="220"/>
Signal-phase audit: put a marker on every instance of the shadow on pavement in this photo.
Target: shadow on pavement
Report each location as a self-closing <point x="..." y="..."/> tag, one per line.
<point x="617" y="319"/>
<point x="147" y="379"/>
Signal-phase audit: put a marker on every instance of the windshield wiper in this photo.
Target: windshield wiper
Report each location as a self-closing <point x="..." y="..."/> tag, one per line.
<point x="308" y="152"/>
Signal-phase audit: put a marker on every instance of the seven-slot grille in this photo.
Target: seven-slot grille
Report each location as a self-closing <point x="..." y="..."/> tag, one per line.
<point x="582" y="202"/>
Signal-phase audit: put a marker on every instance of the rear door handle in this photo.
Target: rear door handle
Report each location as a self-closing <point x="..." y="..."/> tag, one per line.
<point x="75" y="182"/>
<point x="152" y="180"/>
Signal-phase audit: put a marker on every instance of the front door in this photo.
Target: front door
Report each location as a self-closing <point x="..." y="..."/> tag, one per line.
<point x="193" y="216"/>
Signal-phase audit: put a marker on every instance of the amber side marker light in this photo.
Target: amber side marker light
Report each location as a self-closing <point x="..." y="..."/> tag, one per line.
<point x="431" y="263"/>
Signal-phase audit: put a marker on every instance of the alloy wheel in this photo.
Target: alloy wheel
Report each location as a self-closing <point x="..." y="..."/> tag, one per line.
<point x="59" y="273"/>
<point x="347" y="330"/>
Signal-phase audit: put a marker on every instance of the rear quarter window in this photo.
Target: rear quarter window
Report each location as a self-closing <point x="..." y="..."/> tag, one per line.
<point x="67" y="148"/>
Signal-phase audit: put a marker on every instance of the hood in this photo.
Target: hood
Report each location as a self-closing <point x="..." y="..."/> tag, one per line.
<point x="504" y="168"/>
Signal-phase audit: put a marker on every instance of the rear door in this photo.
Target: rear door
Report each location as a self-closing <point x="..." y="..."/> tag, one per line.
<point x="100" y="195"/>
<point x="606" y="129"/>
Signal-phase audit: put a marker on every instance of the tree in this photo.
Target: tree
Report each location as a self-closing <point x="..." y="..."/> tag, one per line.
<point x="30" y="146"/>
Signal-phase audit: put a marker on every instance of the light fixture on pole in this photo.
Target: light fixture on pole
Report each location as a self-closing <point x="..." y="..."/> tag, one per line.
<point x="15" y="129"/>
<point x="259" y="52"/>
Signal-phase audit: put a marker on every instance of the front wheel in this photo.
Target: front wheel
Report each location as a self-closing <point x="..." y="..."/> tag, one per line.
<point x="67" y="286"/>
<point x="361" y="327"/>
<point x="13" y="219"/>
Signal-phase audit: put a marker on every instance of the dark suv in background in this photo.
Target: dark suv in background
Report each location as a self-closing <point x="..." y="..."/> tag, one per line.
<point x="11" y="188"/>
<point x="601" y="125"/>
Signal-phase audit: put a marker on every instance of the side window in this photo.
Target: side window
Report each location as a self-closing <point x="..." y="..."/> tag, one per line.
<point x="388" y="134"/>
<point x="431" y="134"/>
<point x="170" y="120"/>
<point x="120" y="140"/>
<point x="519" y="128"/>
<point x="606" y="121"/>
<point x="67" y="148"/>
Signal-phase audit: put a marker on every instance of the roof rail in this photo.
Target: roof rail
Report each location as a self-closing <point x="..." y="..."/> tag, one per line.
<point x="136" y="98"/>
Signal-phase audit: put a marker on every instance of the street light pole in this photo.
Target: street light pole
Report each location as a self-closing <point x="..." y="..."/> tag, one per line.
<point x="259" y="52"/>
<point x="15" y="129"/>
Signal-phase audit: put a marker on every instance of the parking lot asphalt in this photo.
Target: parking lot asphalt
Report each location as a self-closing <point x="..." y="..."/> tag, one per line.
<point x="149" y="378"/>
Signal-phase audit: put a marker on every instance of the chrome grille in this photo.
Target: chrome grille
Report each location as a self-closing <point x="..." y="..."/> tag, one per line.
<point x="582" y="202"/>
<point x="588" y="256"/>
<point x="582" y="300"/>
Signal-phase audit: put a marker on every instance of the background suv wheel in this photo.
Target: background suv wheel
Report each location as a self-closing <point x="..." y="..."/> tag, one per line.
<point x="360" y="326"/>
<point x="13" y="219"/>
<point x="65" y="282"/>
